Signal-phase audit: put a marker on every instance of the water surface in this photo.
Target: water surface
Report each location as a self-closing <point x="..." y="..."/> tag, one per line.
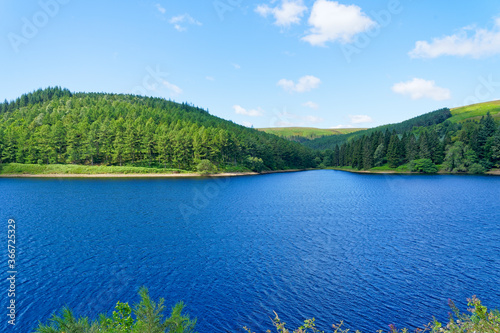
<point x="367" y="249"/>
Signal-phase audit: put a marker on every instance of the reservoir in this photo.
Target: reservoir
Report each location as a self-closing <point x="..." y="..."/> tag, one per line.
<point x="371" y="250"/>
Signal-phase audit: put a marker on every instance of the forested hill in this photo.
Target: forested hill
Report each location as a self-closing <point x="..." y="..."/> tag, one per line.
<point x="428" y="119"/>
<point x="472" y="146"/>
<point x="56" y="126"/>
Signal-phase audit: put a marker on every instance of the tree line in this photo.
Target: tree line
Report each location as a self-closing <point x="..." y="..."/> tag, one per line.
<point x="425" y="120"/>
<point x="469" y="147"/>
<point x="55" y="126"/>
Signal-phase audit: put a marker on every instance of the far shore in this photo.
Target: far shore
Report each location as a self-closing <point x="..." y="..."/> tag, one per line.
<point x="493" y="172"/>
<point x="144" y="175"/>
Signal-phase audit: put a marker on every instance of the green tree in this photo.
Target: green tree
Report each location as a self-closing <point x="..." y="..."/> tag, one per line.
<point x="393" y="152"/>
<point x="255" y="164"/>
<point x="58" y="141"/>
<point x="424" y="165"/>
<point x="411" y="148"/>
<point x="148" y="141"/>
<point x="455" y="160"/>
<point x="206" y="167"/>
<point x="379" y="156"/>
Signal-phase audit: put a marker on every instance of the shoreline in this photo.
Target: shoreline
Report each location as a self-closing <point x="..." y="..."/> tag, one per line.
<point x="493" y="172"/>
<point x="145" y="175"/>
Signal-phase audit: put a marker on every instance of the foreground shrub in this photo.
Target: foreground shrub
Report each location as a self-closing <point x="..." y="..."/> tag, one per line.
<point x="145" y="317"/>
<point x="478" y="321"/>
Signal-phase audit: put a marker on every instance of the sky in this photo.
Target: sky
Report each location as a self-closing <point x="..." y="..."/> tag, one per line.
<point x="264" y="63"/>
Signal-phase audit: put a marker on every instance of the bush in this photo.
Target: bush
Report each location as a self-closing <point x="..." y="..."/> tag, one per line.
<point x="423" y="165"/>
<point x="206" y="167"/>
<point x="479" y="321"/>
<point x="476" y="169"/>
<point x="255" y="164"/>
<point x="148" y="319"/>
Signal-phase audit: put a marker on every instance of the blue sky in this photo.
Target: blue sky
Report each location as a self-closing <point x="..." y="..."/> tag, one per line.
<point x="266" y="63"/>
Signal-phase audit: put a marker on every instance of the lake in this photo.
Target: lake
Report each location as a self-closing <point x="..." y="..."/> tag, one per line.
<point x="371" y="250"/>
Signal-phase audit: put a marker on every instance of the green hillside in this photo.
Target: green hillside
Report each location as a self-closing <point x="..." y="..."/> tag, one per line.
<point x="475" y="111"/>
<point x="56" y="126"/>
<point x="307" y="133"/>
<point x="427" y="119"/>
<point x="438" y="144"/>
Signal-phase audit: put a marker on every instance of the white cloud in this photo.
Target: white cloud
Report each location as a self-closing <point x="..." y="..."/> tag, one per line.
<point x="311" y="105"/>
<point x="174" y="90"/>
<point x="179" y="22"/>
<point x="313" y="119"/>
<point x="360" y="119"/>
<point x="341" y="126"/>
<point x="246" y="124"/>
<point x="305" y="83"/>
<point x="252" y="113"/>
<point x="470" y="41"/>
<point x="331" y="21"/>
<point x="236" y="66"/>
<point x="288" y="13"/>
<point x="286" y="119"/>
<point x="160" y="8"/>
<point x="210" y="78"/>
<point x="420" y="88"/>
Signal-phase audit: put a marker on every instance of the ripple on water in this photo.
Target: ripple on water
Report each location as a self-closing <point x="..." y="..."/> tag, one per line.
<point x="369" y="250"/>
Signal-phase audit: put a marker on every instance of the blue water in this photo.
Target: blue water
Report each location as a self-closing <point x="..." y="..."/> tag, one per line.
<point x="371" y="250"/>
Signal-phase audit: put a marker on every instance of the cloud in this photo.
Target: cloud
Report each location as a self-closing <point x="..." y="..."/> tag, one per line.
<point x="246" y="124"/>
<point x="286" y="119"/>
<point x="174" y="90"/>
<point x="210" y="78"/>
<point x="360" y="119"/>
<point x="311" y="105"/>
<point x="305" y="83"/>
<point x="160" y="8"/>
<point x="420" y="88"/>
<point x="469" y="41"/>
<point x="236" y="66"/>
<point x="179" y="22"/>
<point x="288" y="13"/>
<point x="313" y="119"/>
<point x="252" y="113"/>
<point x="341" y="126"/>
<point x="331" y="21"/>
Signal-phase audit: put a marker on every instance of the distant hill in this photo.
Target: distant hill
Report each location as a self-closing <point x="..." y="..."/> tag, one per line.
<point x="303" y="134"/>
<point x="56" y="126"/>
<point x="427" y="119"/>
<point x="475" y="111"/>
<point x="462" y="140"/>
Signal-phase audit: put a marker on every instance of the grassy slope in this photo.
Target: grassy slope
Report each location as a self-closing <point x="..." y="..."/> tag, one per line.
<point x="36" y="169"/>
<point x="475" y="111"/>
<point x="307" y="132"/>
<point x="73" y="169"/>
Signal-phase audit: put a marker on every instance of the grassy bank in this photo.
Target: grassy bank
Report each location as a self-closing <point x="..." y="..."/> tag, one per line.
<point x="381" y="169"/>
<point x="69" y="170"/>
<point x="47" y="169"/>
